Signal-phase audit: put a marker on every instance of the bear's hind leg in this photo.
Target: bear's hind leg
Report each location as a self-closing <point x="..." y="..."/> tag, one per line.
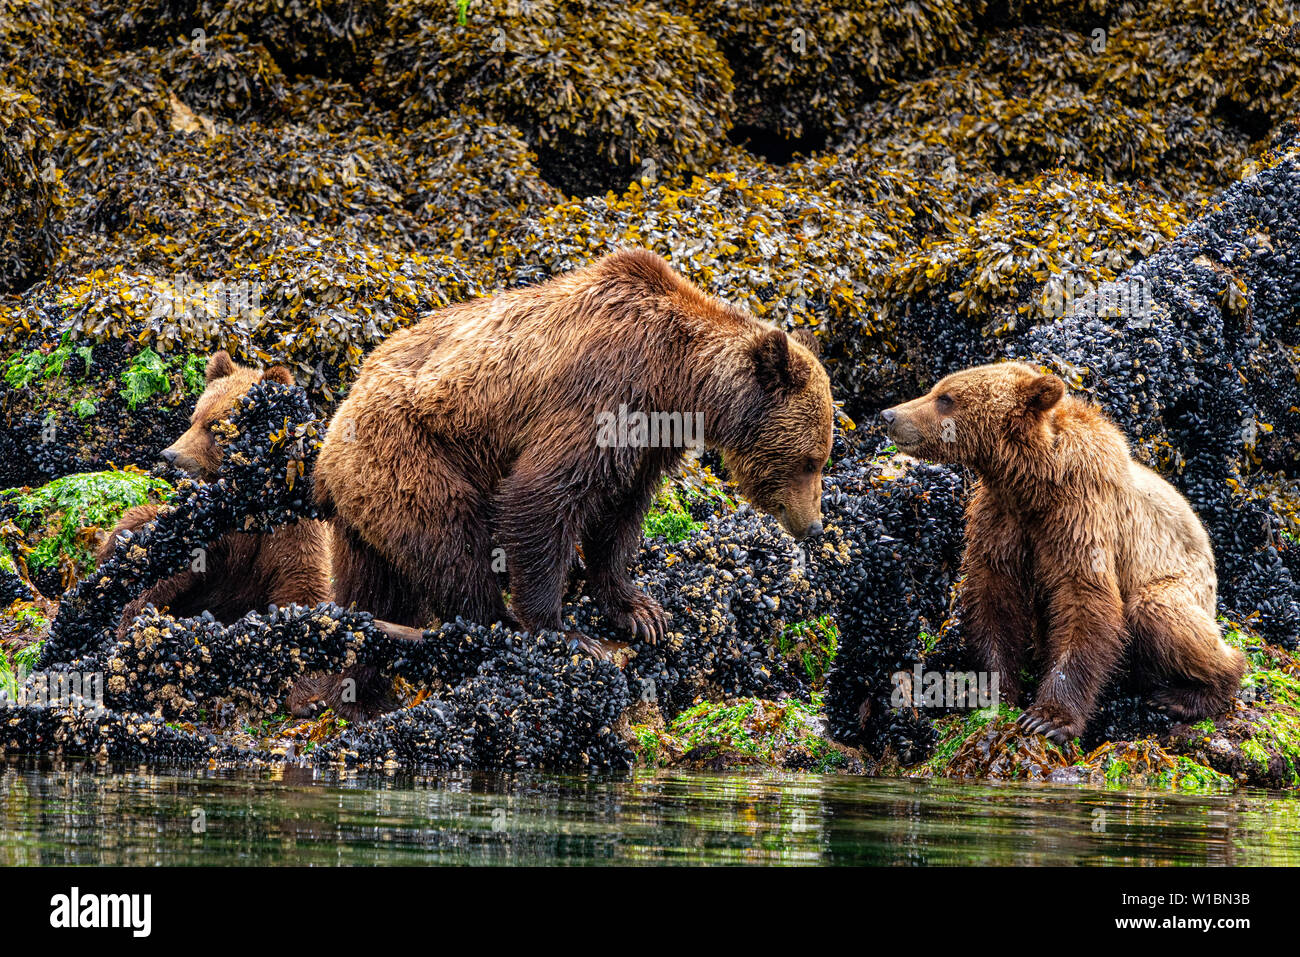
<point x="1178" y="649"/>
<point x="454" y="568"/>
<point x="448" y="576"/>
<point x="539" y="527"/>
<point x="365" y="578"/>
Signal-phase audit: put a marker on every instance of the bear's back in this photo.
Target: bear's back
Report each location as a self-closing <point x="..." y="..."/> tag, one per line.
<point x="1164" y="538"/>
<point x="550" y="356"/>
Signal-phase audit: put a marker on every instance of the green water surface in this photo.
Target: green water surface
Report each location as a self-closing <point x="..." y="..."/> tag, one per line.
<point x="85" y="814"/>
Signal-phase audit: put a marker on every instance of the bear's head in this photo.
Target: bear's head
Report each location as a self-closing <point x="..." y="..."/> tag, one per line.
<point x="979" y="417"/>
<point x="197" y="451"/>
<point x="778" y="458"/>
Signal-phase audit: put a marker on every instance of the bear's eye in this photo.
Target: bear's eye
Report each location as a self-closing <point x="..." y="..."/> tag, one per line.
<point x="945" y="401"/>
<point x="811" y="466"/>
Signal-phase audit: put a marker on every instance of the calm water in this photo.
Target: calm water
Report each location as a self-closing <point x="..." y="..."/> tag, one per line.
<point x="82" y="815"/>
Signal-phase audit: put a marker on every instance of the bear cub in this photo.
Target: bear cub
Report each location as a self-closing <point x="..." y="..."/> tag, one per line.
<point x="243" y="571"/>
<point x="1075" y="552"/>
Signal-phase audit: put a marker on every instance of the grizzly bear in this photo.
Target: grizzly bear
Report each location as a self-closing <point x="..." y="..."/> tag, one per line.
<point x="241" y="571"/>
<point x="1075" y="552"/>
<point x="480" y="440"/>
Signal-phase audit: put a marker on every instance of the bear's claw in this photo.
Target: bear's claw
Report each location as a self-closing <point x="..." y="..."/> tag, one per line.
<point x="309" y="709"/>
<point x="1058" y="730"/>
<point x="612" y="651"/>
<point x="650" y="624"/>
<point x="644" y="618"/>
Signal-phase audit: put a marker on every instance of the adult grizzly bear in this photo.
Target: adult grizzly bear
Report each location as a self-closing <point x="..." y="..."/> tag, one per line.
<point x="1072" y="549"/>
<point x="242" y="571"/>
<point x="484" y="426"/>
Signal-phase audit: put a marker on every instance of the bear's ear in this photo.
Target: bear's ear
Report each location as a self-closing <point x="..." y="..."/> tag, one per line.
<point x="808" y="339"/>
<point x="1042" y="393"/>
<point x="777" y="370"/>
<point x="219" y="366"/>
<point x="278" y="374"/>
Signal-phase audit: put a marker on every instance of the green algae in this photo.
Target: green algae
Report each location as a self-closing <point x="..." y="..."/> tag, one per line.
<point x="30" y="618"/>
<point x="649" y="746"/>
<point x="814" y="644"/>
<point x="956" y="729"/>
<point x="1193" y="776"/>
<point x="695" y="490"/>
<point x="668" y="517"/>
<point x="1145" y="764"/>
<point x="989" y="742"/>
<point x="1249" y="645"/>
<point x="60" y="377"/>
<point x="144" y="378"/>
<point x="54" y="519"/>
<point x="16" y="663"/>
<point x="23" y="368"/>
<point x="1276" y="725"/>
<point x="744" y="731"/>
<point x="193" y="373"/>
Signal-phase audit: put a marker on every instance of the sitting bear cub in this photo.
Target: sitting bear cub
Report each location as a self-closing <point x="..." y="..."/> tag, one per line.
<point x="250" y="571"/>
<point x="1073" y="550"/>
<point x="243" y="571"/>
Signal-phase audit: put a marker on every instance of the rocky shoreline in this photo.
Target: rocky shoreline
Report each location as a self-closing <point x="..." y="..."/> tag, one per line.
<point x="1001" y="189"/>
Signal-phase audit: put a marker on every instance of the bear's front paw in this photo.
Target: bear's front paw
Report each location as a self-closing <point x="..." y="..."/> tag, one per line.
<point x="1189" y="704"/>
<point x="357" y="694"/>
<point x="1051" y="721"/>
<point x="612" y="651"/>
<point x="309" y="698"/>
<point x="643" y="617"/>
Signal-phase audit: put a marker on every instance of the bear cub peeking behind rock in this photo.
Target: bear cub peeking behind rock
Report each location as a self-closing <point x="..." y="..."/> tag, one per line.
<point x="243" y="571"/>
<point x="474" y="435"/>
<point x="1074" y="551"/>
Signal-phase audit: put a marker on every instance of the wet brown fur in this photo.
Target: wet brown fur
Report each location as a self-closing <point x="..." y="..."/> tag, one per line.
<point x="1074" y="551"/>
<point x="476" y="429"/>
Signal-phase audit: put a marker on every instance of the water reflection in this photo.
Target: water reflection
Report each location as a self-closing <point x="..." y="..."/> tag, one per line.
<point x="81" y="814"/>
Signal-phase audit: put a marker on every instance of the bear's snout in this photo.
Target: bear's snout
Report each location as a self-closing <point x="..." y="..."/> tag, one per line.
<point x="189" y="455"/>
<point x="797" y="529"/>
<point x="900" y="428"/>
<point x="186" y="463"/>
